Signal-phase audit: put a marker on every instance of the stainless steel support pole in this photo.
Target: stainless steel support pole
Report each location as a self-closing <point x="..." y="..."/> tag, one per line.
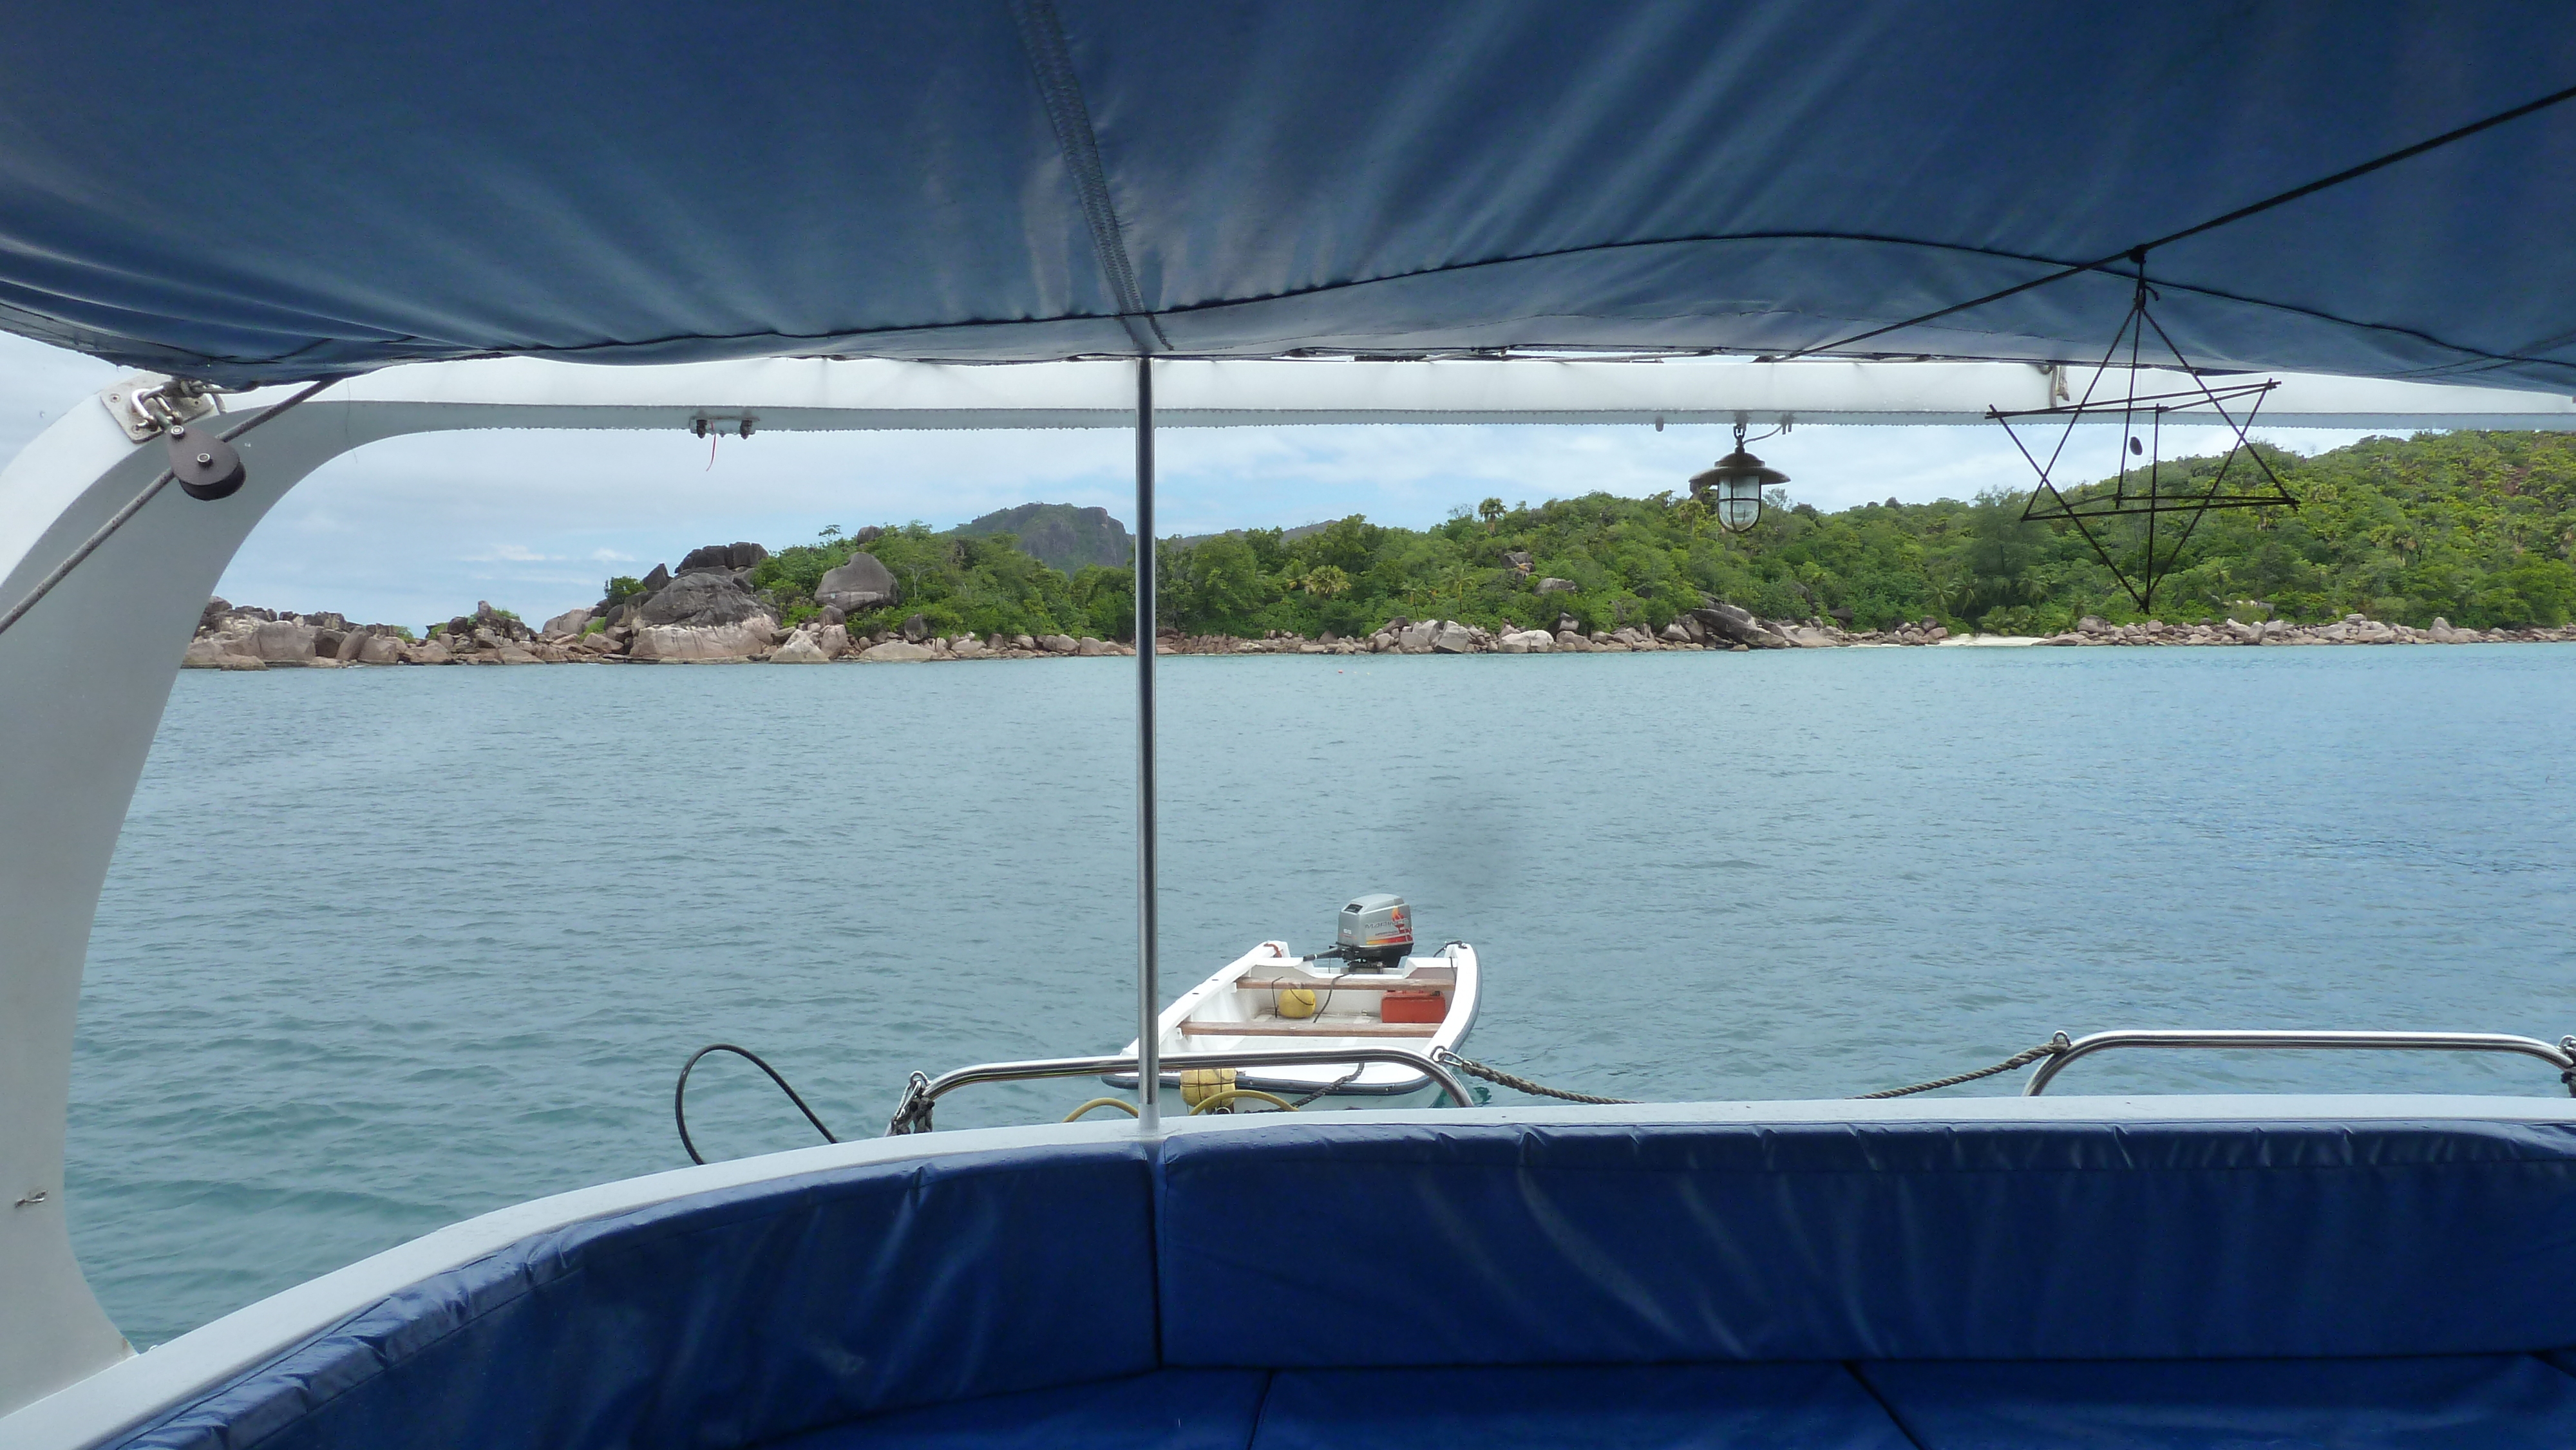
<point x="1149" y="1056"/>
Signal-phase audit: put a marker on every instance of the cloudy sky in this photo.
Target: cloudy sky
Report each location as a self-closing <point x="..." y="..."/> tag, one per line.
<point x="416" y="529"/>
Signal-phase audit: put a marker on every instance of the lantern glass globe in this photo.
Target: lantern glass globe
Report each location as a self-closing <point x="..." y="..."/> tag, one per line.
<point x="1733" y="489"/>
<point x="1739" y="504"/>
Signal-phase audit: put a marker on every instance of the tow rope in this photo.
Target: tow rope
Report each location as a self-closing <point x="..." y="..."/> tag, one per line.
<point x="1470" y="1066"/>
<point x="2050" y="1048"/>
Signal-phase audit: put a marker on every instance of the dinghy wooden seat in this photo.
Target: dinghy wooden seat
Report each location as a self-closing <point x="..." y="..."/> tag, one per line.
<point x="1421" y="979"/>
<point x="1310" y="1027"/>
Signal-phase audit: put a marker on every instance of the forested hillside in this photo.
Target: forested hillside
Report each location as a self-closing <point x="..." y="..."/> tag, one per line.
<point x="2474" y="527"/>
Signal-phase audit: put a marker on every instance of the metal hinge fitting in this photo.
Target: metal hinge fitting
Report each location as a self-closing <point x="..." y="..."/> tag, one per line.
<point x="146" y="403"/>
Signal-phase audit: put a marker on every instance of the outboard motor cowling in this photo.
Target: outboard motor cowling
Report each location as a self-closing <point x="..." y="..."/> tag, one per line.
<point x="1376" y="931"/>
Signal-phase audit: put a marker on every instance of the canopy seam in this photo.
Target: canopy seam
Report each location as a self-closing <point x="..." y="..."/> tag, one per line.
<point x="1060" y="89"/>
<point x="1248" y="299"/>
<point x="2468" y="357"/>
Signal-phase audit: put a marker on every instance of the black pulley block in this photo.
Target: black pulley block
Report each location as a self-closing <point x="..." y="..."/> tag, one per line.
<point x="206" y="466"/>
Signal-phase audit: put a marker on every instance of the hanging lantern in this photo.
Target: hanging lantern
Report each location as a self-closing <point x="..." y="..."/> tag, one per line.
<point x="1733" y="486"/>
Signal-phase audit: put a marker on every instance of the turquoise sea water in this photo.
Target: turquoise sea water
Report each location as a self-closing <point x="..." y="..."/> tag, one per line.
<point x="383" y="949"/>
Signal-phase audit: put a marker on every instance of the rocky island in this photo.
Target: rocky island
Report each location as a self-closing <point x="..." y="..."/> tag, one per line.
<point x="2393" y="542"/>
<point x="717" y="621"/>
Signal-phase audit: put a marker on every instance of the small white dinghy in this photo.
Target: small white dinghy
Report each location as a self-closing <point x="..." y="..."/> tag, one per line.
<point x="1369" y="991"/>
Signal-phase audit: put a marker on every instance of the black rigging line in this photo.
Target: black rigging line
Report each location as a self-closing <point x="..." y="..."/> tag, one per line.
<point x="680" y="1094"/>
<point x="2138" y="252"/>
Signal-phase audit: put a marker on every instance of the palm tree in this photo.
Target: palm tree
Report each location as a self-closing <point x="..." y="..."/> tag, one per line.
<point x="1694" y="514"/>
<point x="1491" y="511"/>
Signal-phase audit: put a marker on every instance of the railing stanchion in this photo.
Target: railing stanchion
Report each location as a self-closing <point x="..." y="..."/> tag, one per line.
<point x="1149" y="1065"/>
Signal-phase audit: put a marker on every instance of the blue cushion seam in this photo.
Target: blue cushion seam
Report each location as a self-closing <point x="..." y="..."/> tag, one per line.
<point x="1154" y="1219"/>
<point x="1547" y="1170"/>
<point x="1852" y="1367"/>
<point x="1260" y="1407"/>
<point x="375" y="1351"/>
<point x="179" y="1412"/>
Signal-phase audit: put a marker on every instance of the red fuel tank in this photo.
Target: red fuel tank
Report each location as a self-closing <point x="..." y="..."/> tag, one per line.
<point x="1413" y="1006"/>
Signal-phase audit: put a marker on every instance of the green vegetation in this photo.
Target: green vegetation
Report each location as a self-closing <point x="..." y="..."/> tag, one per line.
<point x="956" y="583"/>
<point x="2476" y="527"/>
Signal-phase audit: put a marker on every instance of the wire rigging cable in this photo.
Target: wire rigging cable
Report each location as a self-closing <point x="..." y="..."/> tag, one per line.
<point x="118" y="520"/>
<point x="2137" y="253"/>
<point x="680" y="1094"/>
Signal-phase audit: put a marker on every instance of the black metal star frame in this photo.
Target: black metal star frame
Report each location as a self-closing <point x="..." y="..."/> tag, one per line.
<point x="2159" y="549"/>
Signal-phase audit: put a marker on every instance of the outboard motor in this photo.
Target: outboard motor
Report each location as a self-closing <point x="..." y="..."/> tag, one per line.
<point x="1376" y="932"/>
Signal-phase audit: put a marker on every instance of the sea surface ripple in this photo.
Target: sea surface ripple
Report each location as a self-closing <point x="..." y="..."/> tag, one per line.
<point x="385" y="948"/>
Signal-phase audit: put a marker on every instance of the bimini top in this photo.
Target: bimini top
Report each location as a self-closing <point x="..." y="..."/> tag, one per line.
<point x="293" y="190"/>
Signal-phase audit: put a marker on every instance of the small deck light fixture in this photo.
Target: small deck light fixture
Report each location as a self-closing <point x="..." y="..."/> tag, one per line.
<point x="1733" y="486"/>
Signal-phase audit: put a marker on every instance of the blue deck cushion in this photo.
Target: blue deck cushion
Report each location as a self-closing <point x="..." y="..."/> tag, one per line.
<point x="1577" y="1279"/>
<point x="1178" y="1409"/>
<point x="1575" y="1242"/>
<point x="2465" y="1403"/>
<point x="733" y="1317"/>
<point x="1634" y="1407"/>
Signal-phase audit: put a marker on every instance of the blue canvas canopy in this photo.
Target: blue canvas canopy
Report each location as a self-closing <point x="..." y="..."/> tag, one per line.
<point x="302" y="189"/>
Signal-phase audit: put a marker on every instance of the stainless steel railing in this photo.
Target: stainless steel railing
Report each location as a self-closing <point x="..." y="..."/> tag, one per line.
<point x="921" y="1096"/>
<point x="2562" y="1056"/>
